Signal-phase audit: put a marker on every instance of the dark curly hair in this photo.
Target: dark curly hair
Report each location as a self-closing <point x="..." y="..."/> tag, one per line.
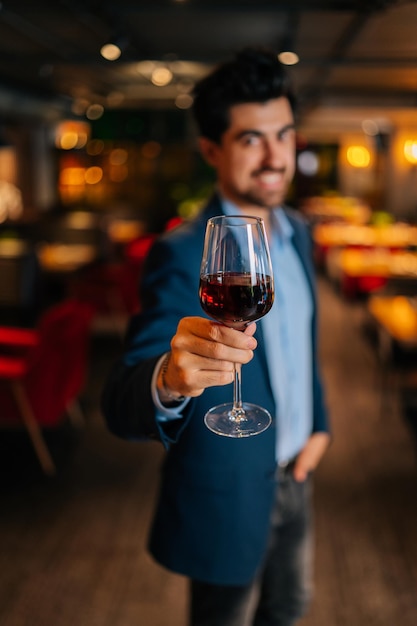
<point x="254" y="75"/>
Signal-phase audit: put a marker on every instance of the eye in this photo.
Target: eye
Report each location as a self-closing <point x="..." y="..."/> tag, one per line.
<point x="250" y="139"/>
<point x="286" y="133"/>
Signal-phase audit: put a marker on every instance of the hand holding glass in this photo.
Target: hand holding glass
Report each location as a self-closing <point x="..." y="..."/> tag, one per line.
<point x="236" y="288"/>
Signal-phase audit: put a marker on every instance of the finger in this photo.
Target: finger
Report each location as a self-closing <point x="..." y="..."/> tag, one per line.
<point x="207" y="354"/>
<point x="232" y="337"/>
<point x="191" y="374"/>
<point x="213" y="331"/>
<point x="300" y="472"/>
<point x="250" y="330"/>
<point x="310" y="456"/>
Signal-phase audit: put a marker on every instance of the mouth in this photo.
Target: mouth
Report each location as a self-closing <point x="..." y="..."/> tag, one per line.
<point x="270" y="179"/>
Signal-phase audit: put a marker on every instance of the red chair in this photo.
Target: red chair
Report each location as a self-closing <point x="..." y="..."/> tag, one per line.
<point x="42" y="371"/>
<point x="135" y="254"/>
<point x="112" y="288"/>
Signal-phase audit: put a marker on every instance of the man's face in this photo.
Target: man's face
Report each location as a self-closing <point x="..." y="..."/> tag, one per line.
<point x="255" y="161"/>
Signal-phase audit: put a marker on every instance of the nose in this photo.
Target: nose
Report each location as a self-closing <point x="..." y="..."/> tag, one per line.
<point x="274" y="154"/>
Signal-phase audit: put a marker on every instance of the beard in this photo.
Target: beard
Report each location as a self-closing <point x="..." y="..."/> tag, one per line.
<point x="254" y="193"/>
<point x="264" y="199"/>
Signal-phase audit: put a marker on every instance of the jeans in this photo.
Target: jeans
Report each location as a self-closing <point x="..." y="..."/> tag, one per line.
<point x="280" y="594"/>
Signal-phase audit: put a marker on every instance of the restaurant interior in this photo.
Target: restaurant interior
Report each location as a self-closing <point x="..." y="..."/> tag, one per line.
<point x="98" y="157"/>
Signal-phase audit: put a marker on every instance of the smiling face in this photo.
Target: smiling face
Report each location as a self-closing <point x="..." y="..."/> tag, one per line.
<point x="255" y="160"/>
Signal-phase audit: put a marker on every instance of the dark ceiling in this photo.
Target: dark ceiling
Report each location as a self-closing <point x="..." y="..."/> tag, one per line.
<point x="351" y="53"/>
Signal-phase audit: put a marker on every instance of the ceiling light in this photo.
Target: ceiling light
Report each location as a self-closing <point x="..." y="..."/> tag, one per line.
<point x="161" y="76"/>
<point x="287" y="57"/>
<point x="110" y="51"/>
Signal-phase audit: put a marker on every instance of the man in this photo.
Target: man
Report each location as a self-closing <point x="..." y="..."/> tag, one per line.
<point x="233" y="514"/>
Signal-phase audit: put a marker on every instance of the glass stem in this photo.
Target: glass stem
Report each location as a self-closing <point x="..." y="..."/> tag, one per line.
<point x="237" y="413"/>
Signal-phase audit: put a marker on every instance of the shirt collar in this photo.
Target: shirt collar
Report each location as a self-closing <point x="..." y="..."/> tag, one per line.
<point x="281" y="226"/>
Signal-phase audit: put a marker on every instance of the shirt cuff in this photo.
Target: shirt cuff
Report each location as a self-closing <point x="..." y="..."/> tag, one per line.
<point x="165" y="413"/>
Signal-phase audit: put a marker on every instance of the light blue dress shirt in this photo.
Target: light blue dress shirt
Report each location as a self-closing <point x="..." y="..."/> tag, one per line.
<point x="287" y="335"/>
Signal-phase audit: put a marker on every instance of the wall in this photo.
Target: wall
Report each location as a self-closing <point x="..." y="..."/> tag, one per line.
<point x="389" y="182"/>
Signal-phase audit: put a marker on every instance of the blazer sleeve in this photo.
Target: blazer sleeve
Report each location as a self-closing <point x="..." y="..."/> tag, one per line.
<point x="169" y="292"/>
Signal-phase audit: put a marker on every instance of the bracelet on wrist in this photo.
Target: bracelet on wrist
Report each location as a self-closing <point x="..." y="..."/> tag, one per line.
<point x="165" y="390"/>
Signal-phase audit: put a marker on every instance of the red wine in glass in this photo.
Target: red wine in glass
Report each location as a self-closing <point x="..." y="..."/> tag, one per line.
<point x="236" y="288"/>
<point x="234" y="299"/>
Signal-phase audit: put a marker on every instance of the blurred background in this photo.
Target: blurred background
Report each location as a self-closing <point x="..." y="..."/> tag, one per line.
<point x="98" y="156"/>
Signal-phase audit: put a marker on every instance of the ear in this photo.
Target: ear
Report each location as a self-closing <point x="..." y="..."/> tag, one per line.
<point x="209" y="150"/>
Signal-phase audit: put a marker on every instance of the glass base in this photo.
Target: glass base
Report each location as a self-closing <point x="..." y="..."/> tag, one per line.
<point x="251" y="420"/>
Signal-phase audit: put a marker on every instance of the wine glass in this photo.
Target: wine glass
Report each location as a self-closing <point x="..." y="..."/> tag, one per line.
<point x="236" y="288"/>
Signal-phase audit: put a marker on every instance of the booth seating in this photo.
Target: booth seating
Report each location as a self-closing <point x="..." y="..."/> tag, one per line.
<point x="43" y="371"/>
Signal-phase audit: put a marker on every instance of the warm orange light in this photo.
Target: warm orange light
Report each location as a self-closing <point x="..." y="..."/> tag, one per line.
<point x="288" y="57"/>
<point x="161" y="76"/>
<point x="72" y="134"/>
<point x="93" y="175"/>
<point x="68" y="140"/>
<point x="118" y="156"/>
<point x="110" y="51"/>
<point x="72" y="176"/>
<point x="410" y="151"/>
<point x="358" y="156"/>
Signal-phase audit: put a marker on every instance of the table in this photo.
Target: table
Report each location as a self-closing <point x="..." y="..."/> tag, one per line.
<point x="394" y="320"/>
<point x="333" y="237"/>
<point x="362" y="271"/>
<point x="58" y="258"/>
<point x="397" y="316"/>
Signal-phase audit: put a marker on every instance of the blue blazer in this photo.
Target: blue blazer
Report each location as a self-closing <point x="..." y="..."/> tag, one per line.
<point x="212" y="518"/>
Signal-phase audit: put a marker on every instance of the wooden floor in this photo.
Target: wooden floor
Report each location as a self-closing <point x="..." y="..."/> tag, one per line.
<point x="73" y="547"/>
